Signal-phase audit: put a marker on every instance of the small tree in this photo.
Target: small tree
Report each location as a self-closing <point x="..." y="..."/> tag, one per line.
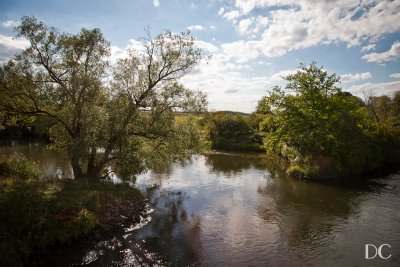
<point x="120" y="115"/>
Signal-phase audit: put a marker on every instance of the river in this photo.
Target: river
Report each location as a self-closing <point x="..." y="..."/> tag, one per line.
<point x="241" y="210"/>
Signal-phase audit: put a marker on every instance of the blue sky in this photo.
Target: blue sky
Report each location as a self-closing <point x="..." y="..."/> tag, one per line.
<point x="253" y="42"/>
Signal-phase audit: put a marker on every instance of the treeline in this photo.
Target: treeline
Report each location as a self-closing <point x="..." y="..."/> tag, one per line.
<point x="16" y="127"/>
<point x="385" y="110"/>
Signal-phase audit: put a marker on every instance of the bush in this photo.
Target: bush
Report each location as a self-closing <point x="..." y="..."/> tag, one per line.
<point x="304" y="172"/>
<point x="16" y="165"/>
<point x="24" y="216"/>
<point x="39" y="214"/>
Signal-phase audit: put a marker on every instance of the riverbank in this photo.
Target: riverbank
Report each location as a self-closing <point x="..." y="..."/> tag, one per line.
<point x="39" y="215"/>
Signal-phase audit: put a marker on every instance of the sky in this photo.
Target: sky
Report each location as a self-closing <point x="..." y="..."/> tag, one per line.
<point x="253" y="43"/>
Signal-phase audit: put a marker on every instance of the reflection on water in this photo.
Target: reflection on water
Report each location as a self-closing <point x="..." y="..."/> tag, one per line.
<point x="240" y="210"/>
<point x="235" y="163"/>
<point x="52" y="164"/>
<point x="249" y="213"/>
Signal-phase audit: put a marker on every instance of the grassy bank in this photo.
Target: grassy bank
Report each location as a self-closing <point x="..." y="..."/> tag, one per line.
<point x="40" y="214"/>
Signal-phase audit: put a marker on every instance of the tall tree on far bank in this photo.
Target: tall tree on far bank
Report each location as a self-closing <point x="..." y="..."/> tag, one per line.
<point x="313" y="123"/>
<point x="385" y="111"/>
<point x="121" y="114"/>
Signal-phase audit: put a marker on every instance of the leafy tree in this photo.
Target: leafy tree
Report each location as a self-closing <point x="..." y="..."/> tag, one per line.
<point x="104" y="114"/>
<point x="229" y="131"/>
<point x="385" y="111"/>
<point x="313" y="123"/>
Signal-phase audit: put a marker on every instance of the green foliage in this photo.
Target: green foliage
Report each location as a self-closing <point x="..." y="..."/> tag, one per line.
<point x="23" y="212"/>
<point x="125" y="120"/>
<point x="85" y="221"/>
<point x="314" y="123"/>
<point x="38" y="214"/>
<point x="304" y="171"/>
<point x="385" y="111"/>
<point x="18" y="166"/>
<point x="227" y="131"/>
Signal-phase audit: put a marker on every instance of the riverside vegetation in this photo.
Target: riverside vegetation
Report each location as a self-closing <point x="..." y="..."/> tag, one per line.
<point x="39" y="215"/>
<point x="325" y="132"/>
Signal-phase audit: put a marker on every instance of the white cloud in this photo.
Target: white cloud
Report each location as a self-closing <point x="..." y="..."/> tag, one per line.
<point x="244" y="25"/>
<point x="9" y="46"/>
<point x="212" y="27"/>
<point x="206" y="46"/>
<point x="376" y="89"/>
<point x="368" y="48"/>
<point x="117" y="53"/>
<point x="260" y="23"/>
<point x="231" y="91"/>
<point x="196" y="27"/>
<point x="278" y="76"/>
<point x="252" y="25"/>
<point x="296" y="24"/>
<point x="10" y="24"/>
<point x="395" y="75"/>
<point x="221" y="11"/>
<point x="355" y="77"/>
<point x="391" y="54"/>
<point x="241" y="51"/>
<point x="232" y="15"/>
<point x="228" y="84"/>
<point x="193" y="5"/>
<point x="246" y="6"/>
<point x="156" y="3"/>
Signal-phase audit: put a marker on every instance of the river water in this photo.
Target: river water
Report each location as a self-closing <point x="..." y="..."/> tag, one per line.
<point x="241" y="210"/>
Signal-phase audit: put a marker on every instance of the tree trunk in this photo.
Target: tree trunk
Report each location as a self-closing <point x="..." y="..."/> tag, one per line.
<point x="94" y="168"/>
<point x="94" y="172"/>
<point x="76" y="167"/>
<point x="91" y="161"/>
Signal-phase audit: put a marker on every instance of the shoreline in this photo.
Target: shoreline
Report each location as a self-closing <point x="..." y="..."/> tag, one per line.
<point x="118" y="219"/>
<point x="57" y="215"/>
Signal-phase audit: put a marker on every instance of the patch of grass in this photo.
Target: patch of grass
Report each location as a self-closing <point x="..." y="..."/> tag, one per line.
<point x="304" y="171"/>
<point x="185" y="117"/>
<point x="17" y="165"/>
<point x="236" y="145"/>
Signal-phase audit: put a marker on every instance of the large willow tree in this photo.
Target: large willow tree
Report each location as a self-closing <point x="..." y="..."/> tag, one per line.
<point x="104" y="115"/>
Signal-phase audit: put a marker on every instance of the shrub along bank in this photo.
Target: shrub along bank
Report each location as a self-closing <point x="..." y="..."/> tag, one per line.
<point x="38" y="214"/>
